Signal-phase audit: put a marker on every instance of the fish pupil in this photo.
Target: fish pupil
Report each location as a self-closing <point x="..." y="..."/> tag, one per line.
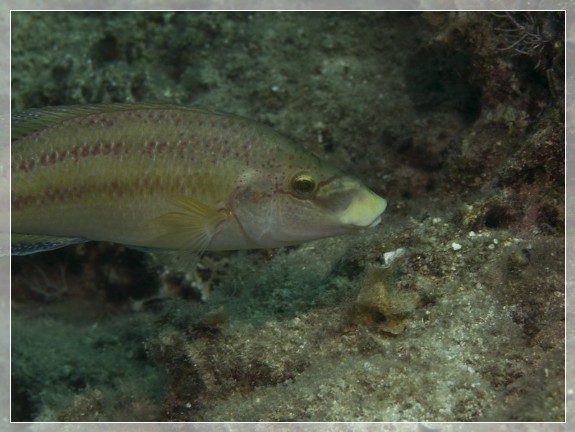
<point x="303" y="184"/>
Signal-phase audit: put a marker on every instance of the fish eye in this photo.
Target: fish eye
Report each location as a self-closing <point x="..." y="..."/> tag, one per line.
<point x="303" y="184"/>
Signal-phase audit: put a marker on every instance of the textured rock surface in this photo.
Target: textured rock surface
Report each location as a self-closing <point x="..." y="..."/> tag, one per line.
<point x="456" y="119"/>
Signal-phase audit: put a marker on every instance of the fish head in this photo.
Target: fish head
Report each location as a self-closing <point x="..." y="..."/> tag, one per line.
<point x="303" y="204"/>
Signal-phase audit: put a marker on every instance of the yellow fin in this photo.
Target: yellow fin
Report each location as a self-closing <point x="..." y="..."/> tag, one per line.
<point x="191" y="229"/>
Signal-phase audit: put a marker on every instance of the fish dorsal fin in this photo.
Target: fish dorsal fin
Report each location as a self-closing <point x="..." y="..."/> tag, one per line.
<point x="37" y="119"/>
<point x="191" y="229"/>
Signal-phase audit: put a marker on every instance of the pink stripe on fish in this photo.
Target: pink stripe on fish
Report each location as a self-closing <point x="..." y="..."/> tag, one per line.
<point x="77" y="152"/>
<point x="114" y="188"/>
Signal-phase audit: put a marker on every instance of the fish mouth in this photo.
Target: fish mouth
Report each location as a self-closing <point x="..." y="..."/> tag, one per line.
<point x="375" y="207"/>
<point x="375" y="222"/>
<point x="361" y="227"/>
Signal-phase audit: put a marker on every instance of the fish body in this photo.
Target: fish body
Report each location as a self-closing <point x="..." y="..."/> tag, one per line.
<point x="172" y="177"/>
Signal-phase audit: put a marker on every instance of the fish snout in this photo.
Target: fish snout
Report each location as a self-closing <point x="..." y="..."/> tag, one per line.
<point x="365" y="210"/>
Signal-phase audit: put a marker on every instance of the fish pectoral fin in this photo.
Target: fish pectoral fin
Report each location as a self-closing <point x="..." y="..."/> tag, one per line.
<point x="192" y="228"/>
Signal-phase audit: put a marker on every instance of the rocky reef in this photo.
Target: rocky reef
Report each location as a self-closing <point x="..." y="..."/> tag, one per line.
<point x="452" y="309"/>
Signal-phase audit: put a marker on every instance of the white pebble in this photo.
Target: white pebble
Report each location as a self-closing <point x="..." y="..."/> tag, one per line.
<point x="456" y="246"/>
<point x="389" y="257"/>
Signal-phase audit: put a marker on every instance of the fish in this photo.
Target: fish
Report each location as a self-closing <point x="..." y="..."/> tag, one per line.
<point x="169" y="177"/>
